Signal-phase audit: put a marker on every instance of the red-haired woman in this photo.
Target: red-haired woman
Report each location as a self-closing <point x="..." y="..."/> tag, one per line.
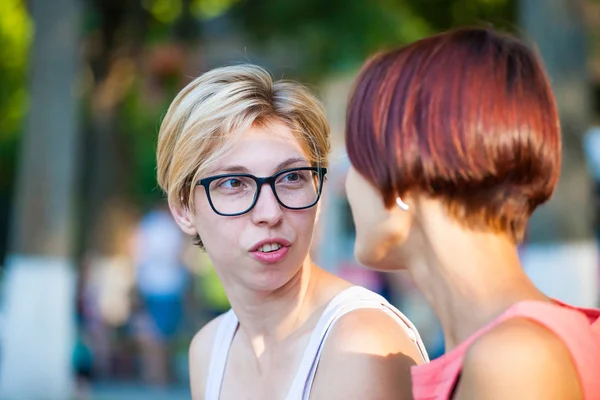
<point x="454" y="141"/>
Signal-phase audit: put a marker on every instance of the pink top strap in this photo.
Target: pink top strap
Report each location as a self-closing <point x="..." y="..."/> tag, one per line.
<point x="577" y="328"/>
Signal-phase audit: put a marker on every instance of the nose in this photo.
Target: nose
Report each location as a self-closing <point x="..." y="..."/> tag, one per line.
<point x="267" y="210"/>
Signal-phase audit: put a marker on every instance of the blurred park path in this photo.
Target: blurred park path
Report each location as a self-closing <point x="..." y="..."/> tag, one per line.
<point x="132" y="391"/>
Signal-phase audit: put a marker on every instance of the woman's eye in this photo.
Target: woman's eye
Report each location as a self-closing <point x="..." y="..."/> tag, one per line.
<point x="232" y="183"/>
<point x="292" y="177"/>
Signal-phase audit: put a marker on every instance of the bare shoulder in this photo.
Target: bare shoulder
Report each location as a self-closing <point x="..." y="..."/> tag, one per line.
<point x="372" y="331"/>
<point x="199" y="357"/>
<point x="519" y="359"/>
<point x="368" y="355"/>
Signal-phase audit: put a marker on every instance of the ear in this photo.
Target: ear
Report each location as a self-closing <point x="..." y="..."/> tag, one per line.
<point x="183" y="218"/>
<point x="401" y="217"/>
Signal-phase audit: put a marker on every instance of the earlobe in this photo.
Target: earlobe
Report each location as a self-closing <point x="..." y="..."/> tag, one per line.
<point x="183" y="218"/>
<point x="402" y="217"/>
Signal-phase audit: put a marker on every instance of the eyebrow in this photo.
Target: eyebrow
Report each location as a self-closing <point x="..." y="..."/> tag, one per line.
<point x="235" y="169"/>
<point x="289" y="162"/>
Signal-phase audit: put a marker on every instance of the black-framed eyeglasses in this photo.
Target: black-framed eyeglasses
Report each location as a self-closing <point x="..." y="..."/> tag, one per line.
<point x="230" y="195"/>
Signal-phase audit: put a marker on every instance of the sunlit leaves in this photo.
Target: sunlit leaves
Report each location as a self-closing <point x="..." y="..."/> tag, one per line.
<point x="165" y="11"/>
<point x="16" y="31"/>
<point x="208" y="9"/>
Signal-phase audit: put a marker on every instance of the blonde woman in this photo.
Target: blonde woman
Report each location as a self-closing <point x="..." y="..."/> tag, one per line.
<point x="243" y="161"/>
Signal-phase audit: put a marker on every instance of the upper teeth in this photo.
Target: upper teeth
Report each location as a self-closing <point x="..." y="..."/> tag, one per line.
<point x="265" y="248"/>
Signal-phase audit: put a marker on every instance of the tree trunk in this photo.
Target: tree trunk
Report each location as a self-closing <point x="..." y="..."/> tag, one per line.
<point x="557" y="28"/>
<point x="38" y="332"/>
<point x="561" y="257"/>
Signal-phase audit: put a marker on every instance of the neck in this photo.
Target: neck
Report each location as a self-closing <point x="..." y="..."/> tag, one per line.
<point x="469" y="278"/>
<point x="269" y="318"/>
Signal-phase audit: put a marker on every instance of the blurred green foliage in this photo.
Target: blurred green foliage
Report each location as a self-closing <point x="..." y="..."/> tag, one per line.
<point x="317" y="38"/>
<point x="140" y="121"/>
<point x="16" y="32"/>
<point x="338" y="35"/>
<point x="320" y="37"/>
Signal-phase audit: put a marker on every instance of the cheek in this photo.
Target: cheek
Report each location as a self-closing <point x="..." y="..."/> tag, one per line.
<point x="374" y="233"/>
<point x="304" y="224"/>
<point x="366" y="216"/>
<point x="221" y="242"/>
<point x="368" y="242"/>
<point x="216" y="232"/>
<point x="383" y="245"/>
<point x="365" y="230"/>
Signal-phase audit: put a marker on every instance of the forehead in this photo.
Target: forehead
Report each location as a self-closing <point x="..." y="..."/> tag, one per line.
<point x="261" y="147"/>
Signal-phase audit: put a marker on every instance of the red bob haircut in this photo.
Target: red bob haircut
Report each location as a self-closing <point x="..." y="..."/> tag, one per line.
<point x="466" y="116"/>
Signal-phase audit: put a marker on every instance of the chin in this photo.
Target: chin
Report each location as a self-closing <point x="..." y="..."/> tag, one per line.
<point x="376" y="260"/>
<point x="272" y="278"/>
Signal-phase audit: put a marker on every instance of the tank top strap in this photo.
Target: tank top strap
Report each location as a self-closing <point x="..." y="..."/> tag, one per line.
<point x="346" y="301"/>
<point x="219" y="354"/>
<point x="576" y="327"/>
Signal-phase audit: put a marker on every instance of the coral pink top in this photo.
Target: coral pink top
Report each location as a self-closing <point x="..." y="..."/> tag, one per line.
<point x="578" y="328"/>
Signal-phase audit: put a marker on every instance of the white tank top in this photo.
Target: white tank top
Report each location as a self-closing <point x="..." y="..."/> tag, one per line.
<point x="348" y="300"/>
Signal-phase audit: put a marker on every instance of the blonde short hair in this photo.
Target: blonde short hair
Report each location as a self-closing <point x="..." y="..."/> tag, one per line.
<point x="206" y="115"/>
